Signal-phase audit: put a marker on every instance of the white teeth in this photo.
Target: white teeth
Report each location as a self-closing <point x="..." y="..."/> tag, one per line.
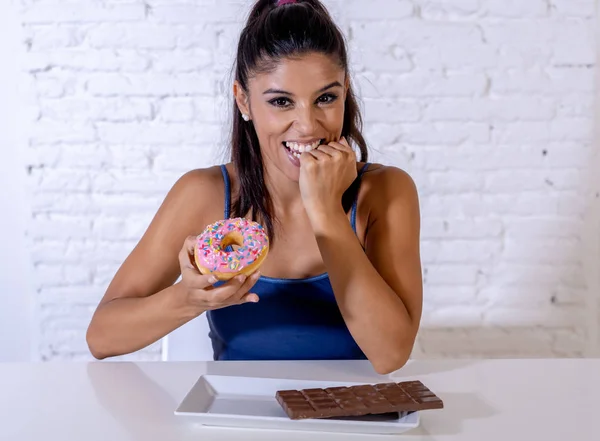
<point x="301" y="148"/>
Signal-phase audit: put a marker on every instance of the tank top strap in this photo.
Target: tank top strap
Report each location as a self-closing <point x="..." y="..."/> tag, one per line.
<point x="355" y="203"/>
<point x="227" y="191"/>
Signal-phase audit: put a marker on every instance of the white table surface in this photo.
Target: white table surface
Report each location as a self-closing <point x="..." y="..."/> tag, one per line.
<point x="484" y="400"/>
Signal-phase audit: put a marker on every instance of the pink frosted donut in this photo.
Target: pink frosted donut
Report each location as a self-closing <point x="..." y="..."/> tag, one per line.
<point x="212" y="257"/>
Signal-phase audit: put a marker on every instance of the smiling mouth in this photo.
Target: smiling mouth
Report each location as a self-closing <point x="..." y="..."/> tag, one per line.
<point x="296" y="148"/>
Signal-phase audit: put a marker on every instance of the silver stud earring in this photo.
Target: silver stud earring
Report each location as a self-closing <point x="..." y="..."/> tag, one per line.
<point x="246" y="117"/>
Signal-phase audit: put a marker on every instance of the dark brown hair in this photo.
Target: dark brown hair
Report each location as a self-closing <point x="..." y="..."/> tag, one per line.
<point x="271" y="33"/>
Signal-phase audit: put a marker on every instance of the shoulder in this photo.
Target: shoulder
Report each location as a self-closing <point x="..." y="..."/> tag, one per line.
<point x="198" y="182"/>
<point x="388" y="196"/>
<point x="195" y="199"/>
<point x="384" y="184"/>
<point x="391" y="207"/>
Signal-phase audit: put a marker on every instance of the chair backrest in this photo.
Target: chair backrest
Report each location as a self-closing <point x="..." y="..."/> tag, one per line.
<point x="190" y="342"/>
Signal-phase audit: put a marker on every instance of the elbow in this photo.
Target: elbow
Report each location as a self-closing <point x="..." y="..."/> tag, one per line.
<point x="98" y="340"/>
<point x="389" y="365"/>
<point x="95" y="345"/>
<point x="392" y="361"/>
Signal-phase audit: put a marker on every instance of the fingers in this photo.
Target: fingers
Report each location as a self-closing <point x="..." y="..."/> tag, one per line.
<point x="343" y="144"/>
<point x="327" y="149"/>
<point x="186" y="258"/>
<point x="333" y="149"/>
<point x="333" y="152"/>
<point x="250" y="297"/>
<point x="249" y="283"/>
<point x="232" y="291"/>
<point x="186" y="255"/>
<point x="318" y="154"/>
<point x="186" y="263"/>
<point x="235" y="291"/>
<point x="330" y="151"/>
<point x="307" y="159"/>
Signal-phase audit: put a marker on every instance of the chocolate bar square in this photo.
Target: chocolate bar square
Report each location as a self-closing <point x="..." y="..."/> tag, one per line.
<point x="359" y="400"/>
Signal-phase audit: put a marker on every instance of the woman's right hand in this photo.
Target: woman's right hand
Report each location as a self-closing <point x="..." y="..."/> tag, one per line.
<point x="198" y="288"/>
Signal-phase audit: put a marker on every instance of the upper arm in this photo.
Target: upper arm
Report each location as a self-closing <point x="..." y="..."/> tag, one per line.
<point x="392" y="240"/>
<point x="153" y="264"/>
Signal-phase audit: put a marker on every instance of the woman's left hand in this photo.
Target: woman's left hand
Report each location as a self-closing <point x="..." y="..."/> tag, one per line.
<point x="325" y="174"/>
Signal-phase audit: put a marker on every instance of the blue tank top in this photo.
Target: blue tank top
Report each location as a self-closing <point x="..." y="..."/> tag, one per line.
<point x="294" y="319"/>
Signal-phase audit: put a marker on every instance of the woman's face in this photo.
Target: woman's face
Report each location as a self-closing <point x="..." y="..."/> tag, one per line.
<point x="294" y="108"/>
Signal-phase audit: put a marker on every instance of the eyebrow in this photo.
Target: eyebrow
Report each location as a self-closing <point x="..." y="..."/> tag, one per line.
<point x="283" y="92"/>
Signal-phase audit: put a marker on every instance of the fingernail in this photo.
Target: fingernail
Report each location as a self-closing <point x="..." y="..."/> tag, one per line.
<point x="212" y="279"/>
<point x="242" y="278"/>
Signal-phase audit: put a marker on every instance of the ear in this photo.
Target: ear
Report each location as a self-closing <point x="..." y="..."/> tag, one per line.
<point x="241" y="98"/>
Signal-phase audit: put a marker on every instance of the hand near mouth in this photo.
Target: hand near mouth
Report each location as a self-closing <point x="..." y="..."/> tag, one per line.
<point x="325" y="174"/>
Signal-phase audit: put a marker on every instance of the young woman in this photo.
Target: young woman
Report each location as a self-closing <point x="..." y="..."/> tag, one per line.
<point x="342" y="279"/>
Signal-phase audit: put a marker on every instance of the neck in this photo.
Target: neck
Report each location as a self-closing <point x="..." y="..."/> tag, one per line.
<point x="285" y="193"/>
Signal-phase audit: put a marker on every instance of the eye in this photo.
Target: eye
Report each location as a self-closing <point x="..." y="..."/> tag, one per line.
<point x="327" y="98"/>
<point x="280" y="102"/>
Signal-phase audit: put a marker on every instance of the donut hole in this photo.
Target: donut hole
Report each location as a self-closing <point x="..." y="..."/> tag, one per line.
<point x="232" y="241"/>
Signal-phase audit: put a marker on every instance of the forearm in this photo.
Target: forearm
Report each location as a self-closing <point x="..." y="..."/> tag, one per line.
<point x="375" y="315"/>
<point x="126" y="325"/>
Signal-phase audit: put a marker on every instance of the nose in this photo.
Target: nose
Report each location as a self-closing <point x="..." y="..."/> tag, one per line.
<point x="306" y="120"/>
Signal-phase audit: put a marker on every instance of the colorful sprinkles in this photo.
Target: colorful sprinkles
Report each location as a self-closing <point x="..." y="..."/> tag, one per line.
<point x="215" y="258"/>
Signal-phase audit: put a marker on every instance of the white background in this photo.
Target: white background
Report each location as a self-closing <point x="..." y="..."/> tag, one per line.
<point x="488" y="104"/>
<point x="16" y="302"/>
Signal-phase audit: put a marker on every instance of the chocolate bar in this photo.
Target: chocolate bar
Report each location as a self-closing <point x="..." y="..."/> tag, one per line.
<point x="407" y="396"/>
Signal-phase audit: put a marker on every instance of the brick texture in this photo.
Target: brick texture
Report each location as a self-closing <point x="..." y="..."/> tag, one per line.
<point x="488" y="104"/>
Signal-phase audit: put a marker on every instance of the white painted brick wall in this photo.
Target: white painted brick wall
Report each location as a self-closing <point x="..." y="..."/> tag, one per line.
<point x="488" y="104"/>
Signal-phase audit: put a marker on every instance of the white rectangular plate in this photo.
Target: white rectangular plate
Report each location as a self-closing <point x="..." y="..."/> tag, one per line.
<point x="250" y="402"/>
